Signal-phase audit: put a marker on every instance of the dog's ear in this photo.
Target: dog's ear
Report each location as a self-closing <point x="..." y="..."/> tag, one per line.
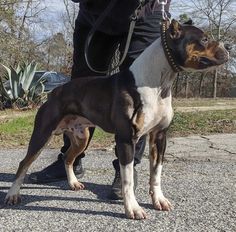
<point x="175" y="29"/>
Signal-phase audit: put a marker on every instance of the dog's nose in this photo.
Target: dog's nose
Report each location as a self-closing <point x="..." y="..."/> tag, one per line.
<point x="228" y="47"/>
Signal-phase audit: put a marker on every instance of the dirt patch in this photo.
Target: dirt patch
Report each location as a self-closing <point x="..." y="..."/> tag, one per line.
<point x="11" y="114"/>
<point x="204" y="108"/>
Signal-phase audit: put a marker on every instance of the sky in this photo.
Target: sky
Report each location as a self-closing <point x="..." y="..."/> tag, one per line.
<point x="55" y="6"/>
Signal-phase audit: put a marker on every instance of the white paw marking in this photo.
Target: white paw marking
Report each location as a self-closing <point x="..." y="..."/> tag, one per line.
<point x="135" y="212"/>
<point x="12" y="199"/>
<point x="160" y="202"/>
<point x="76" y="185"/>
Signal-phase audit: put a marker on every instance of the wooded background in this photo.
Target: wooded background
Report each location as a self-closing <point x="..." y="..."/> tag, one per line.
<point x="29" y="31"/>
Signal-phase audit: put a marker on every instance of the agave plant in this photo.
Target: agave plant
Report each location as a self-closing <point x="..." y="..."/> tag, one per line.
<point x="23" y="88"/>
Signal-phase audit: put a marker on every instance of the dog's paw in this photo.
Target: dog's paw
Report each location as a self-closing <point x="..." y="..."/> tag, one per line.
<point x="12" y="199"/>
<point x="161" y="203"/>
<point x="137" y="213"/>
<point x="76" y="185"/>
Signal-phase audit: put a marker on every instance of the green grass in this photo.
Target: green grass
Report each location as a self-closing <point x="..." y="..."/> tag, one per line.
<point x="17" y="125"/>
<point x="16" y="131"/>
<point x="99" y="134"/>
<point x="203" y="122"/>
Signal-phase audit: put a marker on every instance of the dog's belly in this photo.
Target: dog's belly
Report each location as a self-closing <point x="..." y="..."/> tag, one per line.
<point x="74" y="124"/>
<point x="158" y="112"/>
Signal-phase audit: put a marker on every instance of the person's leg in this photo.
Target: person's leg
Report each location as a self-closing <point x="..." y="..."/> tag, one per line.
<point x="101" y="49"/>
<point x="146" y="31"/>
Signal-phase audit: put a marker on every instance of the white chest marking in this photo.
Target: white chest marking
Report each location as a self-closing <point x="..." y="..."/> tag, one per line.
<point x="152" y="74"/>
<point x="157" y="111"/>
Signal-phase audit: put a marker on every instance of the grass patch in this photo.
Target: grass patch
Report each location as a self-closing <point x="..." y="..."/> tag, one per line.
<point x="16" y="130"/>
<point x="203" y="122"/>
<point x="17" y="125"/>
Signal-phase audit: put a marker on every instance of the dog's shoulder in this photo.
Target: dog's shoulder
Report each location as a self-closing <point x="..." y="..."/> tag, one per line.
<point x="125" y="78"/>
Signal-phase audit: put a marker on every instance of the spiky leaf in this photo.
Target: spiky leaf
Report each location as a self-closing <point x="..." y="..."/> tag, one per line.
<point x="27" y="76"/>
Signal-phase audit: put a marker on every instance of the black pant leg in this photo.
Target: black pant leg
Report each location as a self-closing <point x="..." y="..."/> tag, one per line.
<point x="139" y="149"/>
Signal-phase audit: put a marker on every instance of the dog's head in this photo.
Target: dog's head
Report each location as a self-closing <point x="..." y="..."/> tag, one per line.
<point x="192" y="49"/>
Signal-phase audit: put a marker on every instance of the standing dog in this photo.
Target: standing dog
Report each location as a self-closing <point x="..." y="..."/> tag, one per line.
<point x="129" y="104"/>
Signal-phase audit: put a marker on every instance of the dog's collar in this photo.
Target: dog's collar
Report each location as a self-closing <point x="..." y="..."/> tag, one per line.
<point x="168" y="53"/>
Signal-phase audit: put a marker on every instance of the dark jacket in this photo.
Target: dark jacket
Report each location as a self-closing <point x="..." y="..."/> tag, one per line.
<point x="118" y="19"/>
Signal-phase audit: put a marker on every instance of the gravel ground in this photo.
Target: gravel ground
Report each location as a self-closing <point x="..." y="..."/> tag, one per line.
<point x="199" y="178"/>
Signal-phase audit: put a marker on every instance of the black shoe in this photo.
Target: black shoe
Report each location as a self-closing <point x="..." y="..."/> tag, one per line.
<point x="55" y="172"/>
<point x="116" y="188"/>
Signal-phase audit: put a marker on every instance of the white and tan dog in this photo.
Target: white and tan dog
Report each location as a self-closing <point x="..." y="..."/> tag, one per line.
<point x="129" y="104"/>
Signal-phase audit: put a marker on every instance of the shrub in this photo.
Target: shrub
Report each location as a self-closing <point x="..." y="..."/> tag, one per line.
<point x="23" y="90"/>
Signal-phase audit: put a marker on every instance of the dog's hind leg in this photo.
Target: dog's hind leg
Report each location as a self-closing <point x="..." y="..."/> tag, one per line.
<point x="44" y="125"/>
<point x="77" y="146"/>
<point x="157" y="148"/>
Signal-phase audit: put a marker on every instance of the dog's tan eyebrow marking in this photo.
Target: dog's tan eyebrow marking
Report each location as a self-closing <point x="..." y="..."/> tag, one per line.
<point x="192" y="50"/>
<point x="192" y="56"/>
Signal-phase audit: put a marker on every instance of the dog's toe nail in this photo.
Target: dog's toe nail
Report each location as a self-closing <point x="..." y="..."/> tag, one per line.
<point x="16" y="200"/>
<point x="131" y="216"/>
<point x="157" y="206"/>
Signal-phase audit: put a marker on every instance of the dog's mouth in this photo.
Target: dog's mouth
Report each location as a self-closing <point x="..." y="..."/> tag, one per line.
<point x="205" y="62"/>
<point x="219" y="59"/>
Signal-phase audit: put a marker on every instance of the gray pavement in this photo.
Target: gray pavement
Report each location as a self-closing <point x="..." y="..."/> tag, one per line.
<point x="199" y="178"/>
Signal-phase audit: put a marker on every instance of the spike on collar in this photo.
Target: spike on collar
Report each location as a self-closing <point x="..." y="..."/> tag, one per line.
<point x="171" y="60"/>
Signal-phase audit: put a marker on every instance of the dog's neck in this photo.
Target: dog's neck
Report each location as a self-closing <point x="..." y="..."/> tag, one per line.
<point x="151" y="68"/>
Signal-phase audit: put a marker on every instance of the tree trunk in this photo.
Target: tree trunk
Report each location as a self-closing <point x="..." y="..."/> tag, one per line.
<point x="203" y="75"/>
<point x="176" y="85"/>
<point x="186" y="87"/>
<point x="215" y="83"/>
<point x="22" y="26"/>
<point x="48" y="58"/>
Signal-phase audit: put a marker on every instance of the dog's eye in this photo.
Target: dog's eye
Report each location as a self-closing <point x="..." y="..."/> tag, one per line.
<point x="204" y="41"/>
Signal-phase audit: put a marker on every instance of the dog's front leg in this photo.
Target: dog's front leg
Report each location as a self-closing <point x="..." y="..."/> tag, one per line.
<point x="125" y="150"/>
<point x="157" y="148"/>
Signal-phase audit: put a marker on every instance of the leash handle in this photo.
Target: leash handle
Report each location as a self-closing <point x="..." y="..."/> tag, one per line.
<point x="133" y="19"/>
<point x="163" y="12"/>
